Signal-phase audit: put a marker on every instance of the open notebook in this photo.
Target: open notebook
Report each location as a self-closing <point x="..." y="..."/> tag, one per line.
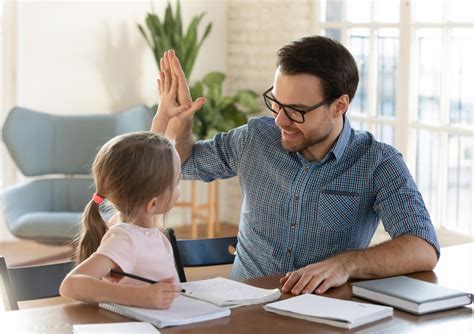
<point x="330" y="311"/>
<point x="225" y="292"/>
<point x="183" y="311"/>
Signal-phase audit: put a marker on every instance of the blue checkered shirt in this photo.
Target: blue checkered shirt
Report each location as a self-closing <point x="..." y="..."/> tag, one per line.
<point x="296" y="212"/>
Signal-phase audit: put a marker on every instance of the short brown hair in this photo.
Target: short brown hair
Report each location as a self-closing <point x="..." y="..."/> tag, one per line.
<point x="324" y="58"/>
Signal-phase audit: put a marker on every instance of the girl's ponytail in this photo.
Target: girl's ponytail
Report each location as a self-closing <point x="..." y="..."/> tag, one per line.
<point x="93" y="229"/>
<point x="129" y="170"/>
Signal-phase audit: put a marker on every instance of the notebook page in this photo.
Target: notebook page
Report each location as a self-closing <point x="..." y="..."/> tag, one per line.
<point x="223" y="291"/>
<point x="328" y="308"/>
<point x="183" y="310"/>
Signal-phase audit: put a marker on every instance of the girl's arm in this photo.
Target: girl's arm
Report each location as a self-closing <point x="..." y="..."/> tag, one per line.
<point x="84" y="283"/>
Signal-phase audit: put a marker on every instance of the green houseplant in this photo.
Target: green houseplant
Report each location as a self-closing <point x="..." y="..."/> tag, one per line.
<point x="221" y="112"/>
<point x="168" y="34"/>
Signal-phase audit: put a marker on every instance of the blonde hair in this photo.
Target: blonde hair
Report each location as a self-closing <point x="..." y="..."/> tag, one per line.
<point x="128" y="171"/>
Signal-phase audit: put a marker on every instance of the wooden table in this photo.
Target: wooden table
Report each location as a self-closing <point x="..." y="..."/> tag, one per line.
<point x="455" y="269"/>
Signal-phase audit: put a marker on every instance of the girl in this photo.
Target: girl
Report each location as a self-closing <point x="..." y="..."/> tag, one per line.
<point x="138" y="175"/>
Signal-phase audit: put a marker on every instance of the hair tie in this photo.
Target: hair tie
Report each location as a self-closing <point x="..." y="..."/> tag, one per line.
<point x="98" y="199"/>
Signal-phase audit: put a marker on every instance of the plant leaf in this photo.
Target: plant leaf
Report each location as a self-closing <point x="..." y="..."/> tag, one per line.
<point x="248" y="100"/>
<point x="169" y="22"/>
<point x="214" y="79"/>
<point x="178" y="22"/>
<point x="206" y="33"/>
<point x="142" y="31"/>
<point x="197" y="90"/>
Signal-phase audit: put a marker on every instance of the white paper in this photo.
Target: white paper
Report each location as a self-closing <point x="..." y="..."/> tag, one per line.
<point x="225" y="292"/>
<point x="116" y="328"/>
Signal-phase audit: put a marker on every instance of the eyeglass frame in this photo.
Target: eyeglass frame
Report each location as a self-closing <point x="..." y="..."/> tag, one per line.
<point x="301" y="111"/>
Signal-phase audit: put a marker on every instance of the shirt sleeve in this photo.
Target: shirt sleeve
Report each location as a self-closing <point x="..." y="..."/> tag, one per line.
<point x="216" y="158"/>
<point x="399" y="204"/>
<point x="117" y="244"/>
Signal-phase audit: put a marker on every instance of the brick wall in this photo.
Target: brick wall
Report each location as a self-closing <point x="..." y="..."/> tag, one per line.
<point x="256" y="30"/>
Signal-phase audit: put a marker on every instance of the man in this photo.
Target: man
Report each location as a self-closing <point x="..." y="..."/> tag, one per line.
<point x="313" y="188"/>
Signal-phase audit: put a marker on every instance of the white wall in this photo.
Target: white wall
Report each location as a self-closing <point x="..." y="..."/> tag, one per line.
<point x="83" y="57"/>
<point x="89" y="57"/>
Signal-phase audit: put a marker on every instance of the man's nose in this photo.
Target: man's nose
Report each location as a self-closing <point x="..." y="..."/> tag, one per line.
<point x="282" y="120"/>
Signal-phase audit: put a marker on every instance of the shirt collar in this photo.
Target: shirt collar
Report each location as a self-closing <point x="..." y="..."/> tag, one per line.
<point x="337" y="149"/>
<point x="341" y="143"/>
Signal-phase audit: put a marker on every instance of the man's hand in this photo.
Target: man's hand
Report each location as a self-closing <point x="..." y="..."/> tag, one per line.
<point x="170" y="105"/>
<point x="167" y="87"/>
<point x="169" y="63"/>
<point x="176" y="106"/>
<point x="317" y="277"/>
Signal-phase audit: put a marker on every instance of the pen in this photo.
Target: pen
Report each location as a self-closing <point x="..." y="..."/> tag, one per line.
<point x="139" y="278"/>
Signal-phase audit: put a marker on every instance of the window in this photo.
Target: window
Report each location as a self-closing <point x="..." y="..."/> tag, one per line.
<point x="416" y="90"/>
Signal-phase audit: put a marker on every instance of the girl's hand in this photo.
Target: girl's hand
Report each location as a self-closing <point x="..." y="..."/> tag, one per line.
<point x="175" y="78"/>
<point x="175" y="99"/>
<point x="167" y="89"/>
<point x="160" y="295"/>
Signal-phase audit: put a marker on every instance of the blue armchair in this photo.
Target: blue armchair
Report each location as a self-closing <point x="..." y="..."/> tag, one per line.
<point x="60" y="149"/>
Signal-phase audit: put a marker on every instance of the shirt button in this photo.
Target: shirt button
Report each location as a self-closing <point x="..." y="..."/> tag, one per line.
<point x="297" y="198"/>
<point x="305" y="169"/>
<point x="288" y="251"/>
<point x="293" y="225"/>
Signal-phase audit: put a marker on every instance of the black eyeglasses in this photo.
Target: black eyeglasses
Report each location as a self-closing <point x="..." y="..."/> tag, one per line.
<point x="295" y="114"/>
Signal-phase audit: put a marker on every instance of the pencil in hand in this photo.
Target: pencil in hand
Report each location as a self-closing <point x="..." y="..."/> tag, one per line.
<point x="139" y="278"/>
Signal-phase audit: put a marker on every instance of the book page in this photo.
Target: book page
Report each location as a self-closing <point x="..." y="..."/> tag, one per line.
<point x="223" y="291"/>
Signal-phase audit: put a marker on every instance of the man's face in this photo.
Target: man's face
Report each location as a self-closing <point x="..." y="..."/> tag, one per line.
<point x="301" y="91"/>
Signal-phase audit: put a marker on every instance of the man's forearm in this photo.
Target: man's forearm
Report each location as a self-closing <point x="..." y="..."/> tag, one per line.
<point x="402" y="255"/>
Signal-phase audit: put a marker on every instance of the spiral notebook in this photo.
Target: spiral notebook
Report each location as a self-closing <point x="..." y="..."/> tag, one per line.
<point x="184" y="310"/>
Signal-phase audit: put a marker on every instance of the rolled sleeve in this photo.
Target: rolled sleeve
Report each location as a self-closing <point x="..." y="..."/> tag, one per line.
<point x="399" y="204"/>
<point x="216" y="158"/>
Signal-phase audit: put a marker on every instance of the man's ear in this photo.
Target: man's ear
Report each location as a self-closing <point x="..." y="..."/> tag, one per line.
<point x="340" y="106"/>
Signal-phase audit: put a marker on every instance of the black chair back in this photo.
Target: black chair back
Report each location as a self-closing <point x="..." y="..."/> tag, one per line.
<point x="201" y="252"/>
<point x="32" y="282"/>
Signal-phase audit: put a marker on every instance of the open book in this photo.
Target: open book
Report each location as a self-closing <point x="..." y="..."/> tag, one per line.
<point x="330" y="311"/>
<point x="183" y="311"/>
<point x="225" y="292"/>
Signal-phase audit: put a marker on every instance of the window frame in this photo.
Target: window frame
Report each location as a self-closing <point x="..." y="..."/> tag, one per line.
<point x="404" y="123"/>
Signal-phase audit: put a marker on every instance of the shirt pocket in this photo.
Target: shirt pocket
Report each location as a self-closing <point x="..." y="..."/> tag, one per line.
<point x="337" y="210"/>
